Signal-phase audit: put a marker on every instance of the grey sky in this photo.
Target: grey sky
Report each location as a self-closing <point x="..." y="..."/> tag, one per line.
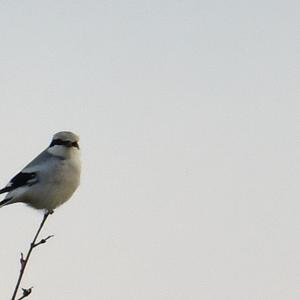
<point x="188" y="113"/>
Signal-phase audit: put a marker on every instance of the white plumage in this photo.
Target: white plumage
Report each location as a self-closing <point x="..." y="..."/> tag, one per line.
<point x="51" y="178"/>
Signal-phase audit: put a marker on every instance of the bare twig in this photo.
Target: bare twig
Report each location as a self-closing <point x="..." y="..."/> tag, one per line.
<point x="26" y="292"/>
<point x="24" y="261"/>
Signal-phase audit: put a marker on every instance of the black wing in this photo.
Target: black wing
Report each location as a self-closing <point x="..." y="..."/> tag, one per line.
<point x="21" y="179"/>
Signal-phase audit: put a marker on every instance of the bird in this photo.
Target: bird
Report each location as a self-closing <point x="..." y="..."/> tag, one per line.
<point x="51" y="178"/>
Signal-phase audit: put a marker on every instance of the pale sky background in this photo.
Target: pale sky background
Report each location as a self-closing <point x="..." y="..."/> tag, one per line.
<point x="188" y="113"/>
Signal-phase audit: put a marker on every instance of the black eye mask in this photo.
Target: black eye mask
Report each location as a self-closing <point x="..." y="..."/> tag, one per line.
<point x="68" y="144"/>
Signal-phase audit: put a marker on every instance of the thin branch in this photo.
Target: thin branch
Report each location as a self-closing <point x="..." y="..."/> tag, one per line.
<point x="24" y="261"/>
<point x="26" y="292"/>
<point x="43" y="241"/>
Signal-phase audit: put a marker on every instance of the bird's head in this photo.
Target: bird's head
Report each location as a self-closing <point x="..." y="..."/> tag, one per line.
<point x="64" y="143"/>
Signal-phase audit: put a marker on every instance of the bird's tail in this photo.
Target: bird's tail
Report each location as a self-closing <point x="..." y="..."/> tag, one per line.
<point x="5" y="202"/>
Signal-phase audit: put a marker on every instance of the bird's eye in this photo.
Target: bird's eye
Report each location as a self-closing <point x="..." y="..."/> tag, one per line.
<point x="56" y="142"/>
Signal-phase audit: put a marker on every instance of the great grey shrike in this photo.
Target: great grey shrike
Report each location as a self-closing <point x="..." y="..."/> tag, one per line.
<point x="51" y="178"/>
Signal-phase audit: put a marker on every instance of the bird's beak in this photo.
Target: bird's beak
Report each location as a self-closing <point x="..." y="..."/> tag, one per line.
<point x="75" y="144"/>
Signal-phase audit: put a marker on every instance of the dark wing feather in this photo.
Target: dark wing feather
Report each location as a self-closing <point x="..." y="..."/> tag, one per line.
<point x="19" y="180"/>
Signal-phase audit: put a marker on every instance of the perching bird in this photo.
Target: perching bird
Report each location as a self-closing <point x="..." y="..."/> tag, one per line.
<point x="51" y="178"/>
